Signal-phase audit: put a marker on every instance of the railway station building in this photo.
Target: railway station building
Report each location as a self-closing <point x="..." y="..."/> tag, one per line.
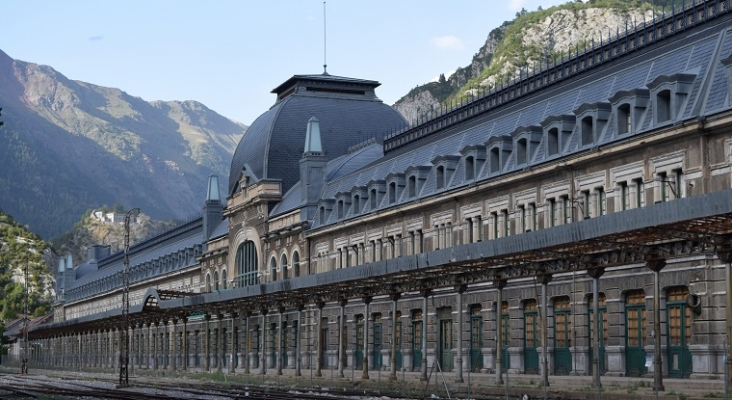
<point x="577" y="219"/>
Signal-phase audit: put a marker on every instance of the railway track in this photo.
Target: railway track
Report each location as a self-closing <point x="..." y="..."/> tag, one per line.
<point x="24" y="387"/>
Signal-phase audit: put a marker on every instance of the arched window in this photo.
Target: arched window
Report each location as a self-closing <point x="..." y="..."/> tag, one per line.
<point x="553" y="141"/>
<point x="223" y="280"/>
<point x="392" y="193"/>
<point x="663" y="106"/>
<point x="322" y="215"/>
<point x="273" y="269"/>
<point x="340" y="209"/>
<point x="495" y="160"/>
<point x="283" y="264"/>
<point x="624" y="125"/>
<point x="216" y="280"/>
<point x="412" y="186"/>
<point x="208" y="283"/>
<point x="247" y="264"/>
<point x="296" y="264"/>
<point x="356" y="204"/>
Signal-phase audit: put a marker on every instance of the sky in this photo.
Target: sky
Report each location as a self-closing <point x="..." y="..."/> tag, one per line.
<point x="229" y="54"/>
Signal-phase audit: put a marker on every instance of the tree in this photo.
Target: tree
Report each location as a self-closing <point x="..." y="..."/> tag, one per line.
<point x="442" y="78"/>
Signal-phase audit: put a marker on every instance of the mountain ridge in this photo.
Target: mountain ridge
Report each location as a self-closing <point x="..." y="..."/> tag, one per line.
<point x="73" y="145"/>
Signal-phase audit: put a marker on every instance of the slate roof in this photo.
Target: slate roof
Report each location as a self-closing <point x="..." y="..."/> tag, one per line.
<point x="273" y="144"/>
<point x="697" y="53"/>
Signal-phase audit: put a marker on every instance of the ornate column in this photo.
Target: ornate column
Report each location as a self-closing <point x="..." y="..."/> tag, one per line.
<point x="233" y="351"/>
<point x="220" y="338"/>
<point x="595" y="274"/>
<point x="545" y="279"/>
<point x="280" y="356"/>
<point x="184" y="345"/>
<point x="318" y="357"/>
<point x="366" y="317"/>
<point x="263" y="361"/>
<point x="342" y="337"/>
<point x="726" y="258"/>
<point x="425" y="294"/>
<point x="392" y="361"/>
<point x="300" y="307"/>
<point x="460" y="289"/>
<point x="174" y="345"/>
<point x="499" y="284"/>
<point x="656" y="266"/>
<point x="207" y="344"/>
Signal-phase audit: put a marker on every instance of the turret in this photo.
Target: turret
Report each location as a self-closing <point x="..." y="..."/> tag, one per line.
<point x="213" y="209"/>
<point x="312" y="168"/>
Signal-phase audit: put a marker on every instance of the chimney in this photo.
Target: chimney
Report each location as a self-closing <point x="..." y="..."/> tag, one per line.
<point x="312" y="168"/>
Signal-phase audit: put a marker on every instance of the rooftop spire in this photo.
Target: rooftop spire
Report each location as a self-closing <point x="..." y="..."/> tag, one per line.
<point x="325" y="64"/>
<point x="312" y="137"/>
<point x="212" y="194"/>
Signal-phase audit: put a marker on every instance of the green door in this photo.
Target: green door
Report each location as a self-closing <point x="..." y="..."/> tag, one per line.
<point x="417" y="344"/>
<point x="602" y="310"/>
<point x="376" y="353"/>
<point x="531" y="338"/>
<point x="679" y="333"/>
<point x="359" y="342"/>
<point x="476" y="339"/>
<point x="445" y="341"/>
<point x="562" y="338"/>
<point x="635" y="322"/>
<point x="505" y="358"/>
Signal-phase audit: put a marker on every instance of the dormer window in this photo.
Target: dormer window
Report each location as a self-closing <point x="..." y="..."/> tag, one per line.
<point x="444" y="168"/>
<point x="624" y="124"/>
<point x="670" y="92"/>
<point x="495" y="160"/>
<point x="412" y="185"/>
<point x="440" y="177"/>
<point x="629" y="106"/>
<point x="552" y="145"/>
<point x="663" y="106"/>
<point x="469" y="168"/>
<point x="340" y="209"/>
<point x="392" y="192"/>
<point x="587" y="131"/>
<point x="557" y="132"/>
<point x="593" y="118"/>
<point x="372" y="198"/>
<point x="521" y="151"/>
<point x="500" y="150"/>
<point x="415" y="179"/>
<point x="321" y="212"/>
<point x="376" y="190"/>
<point x="357" y="204"/>
<point x="526" y="141"/>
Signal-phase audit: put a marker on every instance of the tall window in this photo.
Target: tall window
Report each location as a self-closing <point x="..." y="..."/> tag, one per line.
<point x="566" y="210"/>
<point x="340" y="209"/>
<point x="586" y="204"/>
<point x="283" y="263"/>
<point x="223" y="280"/>
<point x="356" y="204"/>
<point x="640" y="195"/>
<point x="553" y="212"/>
<point x="216" y="280"/>
<point x="495" y="160"/>
<point x="553" y="141"/>
<point x="504" y="229"/>
<point x="601" y="201"/>
<point x="521" y="152"/>
<point x="412" y="184"/>
<point x="372" y="199"/>
<point x="624" y="196"/>
<point x="273" y="269"/>
<point x="392" y="193"/>
<point x="296" y="264"/>
<point x="247" y="265"/>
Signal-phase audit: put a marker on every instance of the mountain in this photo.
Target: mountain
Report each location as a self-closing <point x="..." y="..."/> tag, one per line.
<point x="68" y="146"/>
<point x="20" y="248"/>
<point x="525" y="43"/>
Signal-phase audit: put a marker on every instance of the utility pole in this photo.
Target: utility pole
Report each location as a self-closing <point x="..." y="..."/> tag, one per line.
<point x="124" y="354"/>
<point x="24" y="361"/>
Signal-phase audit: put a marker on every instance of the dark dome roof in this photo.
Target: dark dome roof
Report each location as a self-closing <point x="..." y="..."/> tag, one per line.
<point x="349" y="113"/>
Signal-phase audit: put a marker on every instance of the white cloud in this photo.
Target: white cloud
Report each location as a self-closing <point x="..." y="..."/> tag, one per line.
<point x="448" y="42"/>
<point x="516" y="5"/>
